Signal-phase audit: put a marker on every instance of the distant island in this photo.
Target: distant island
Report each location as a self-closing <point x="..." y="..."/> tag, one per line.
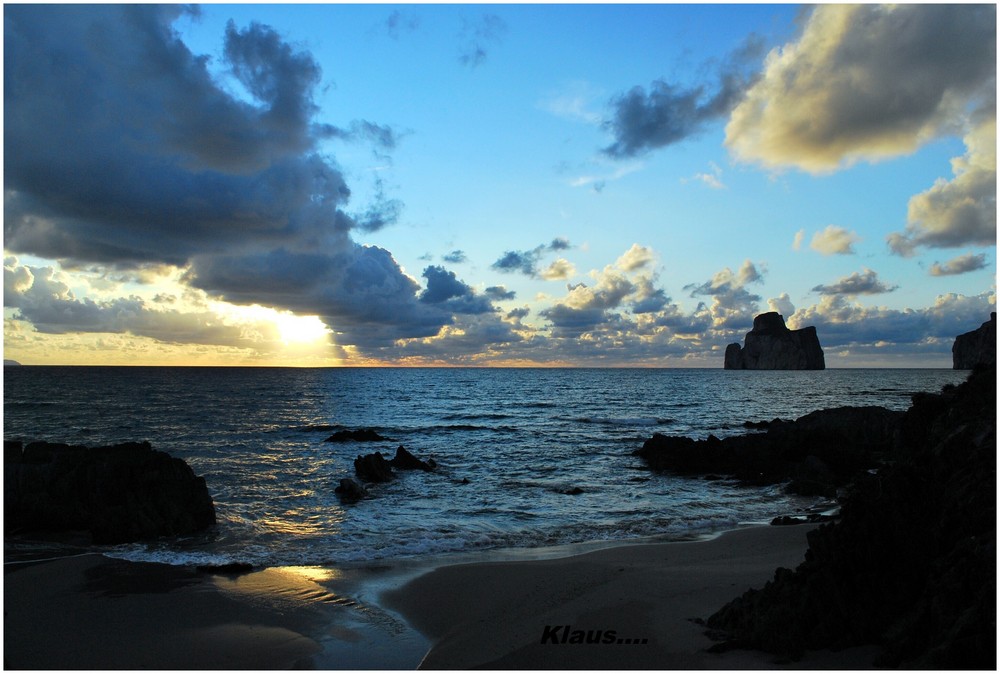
<point x="10" y="363"/>
<point x="771" y="345"/>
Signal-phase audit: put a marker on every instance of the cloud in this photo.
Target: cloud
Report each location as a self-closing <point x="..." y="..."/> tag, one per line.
<point x="559" y="270"/>
<point x="668" y="113"/>
<point x="455" y="257"/>
<point x="526" y="262"/>
<point x="782" y="304"/>
<point x="834" y="241"/>
<point x="799" y="238"/>
<point x="398" y="23"/>
<point x="445" y="289"/>
<point x="858" y="283"/>
<point x="480" y="37"/>
<point x="866" y="82"/>
<point x="42" y="296"/>
<point x="136" y="156"/>
<point x="712" y="179"/>
<point x="732" y="303"/>
<point x="840" y="323"/>
<point x="961" y="211"/>
<point x="636" y="257"/>
<point x="500" y="293"/>
<point x="959" y="265"/>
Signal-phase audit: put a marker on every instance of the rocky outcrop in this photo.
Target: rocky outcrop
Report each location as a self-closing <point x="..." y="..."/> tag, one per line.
<point x="772" y="346"/>
<point x="350" y="490"/>
<point x="120" y="493"/>
<point x="814" y="454"/>
<point x="978" y="347"/>
<point x="911" y="563"/>
<point x="375" y="468"/>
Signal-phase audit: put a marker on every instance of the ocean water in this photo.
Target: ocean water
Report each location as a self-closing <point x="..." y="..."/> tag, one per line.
<point x="508" y="443"/>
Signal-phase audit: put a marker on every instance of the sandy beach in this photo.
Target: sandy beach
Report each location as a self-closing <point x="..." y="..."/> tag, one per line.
<point x="638" y="601"/>
<point x="91" y="612"/>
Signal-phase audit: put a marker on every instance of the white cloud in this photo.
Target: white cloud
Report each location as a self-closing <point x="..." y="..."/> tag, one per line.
<point x="834" y="241"/>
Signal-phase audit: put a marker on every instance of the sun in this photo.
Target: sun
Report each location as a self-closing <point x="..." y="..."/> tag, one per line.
<point x="301" y="329"/>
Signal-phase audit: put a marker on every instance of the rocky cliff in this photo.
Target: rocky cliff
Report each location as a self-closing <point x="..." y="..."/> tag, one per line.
<point x="911" y="564"/>
<point x="772" y="346"/>
<point x="978" y="347"/>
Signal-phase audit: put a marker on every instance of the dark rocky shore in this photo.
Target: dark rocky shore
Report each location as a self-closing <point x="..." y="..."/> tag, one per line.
<point x="911" y="563"/>
<point x="118" y="494"/>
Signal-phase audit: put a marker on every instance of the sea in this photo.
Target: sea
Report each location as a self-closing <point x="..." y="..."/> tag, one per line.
<point x="528" y="460"/>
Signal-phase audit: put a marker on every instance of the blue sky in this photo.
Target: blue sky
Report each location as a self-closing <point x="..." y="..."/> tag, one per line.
<point x="495" y="184"/>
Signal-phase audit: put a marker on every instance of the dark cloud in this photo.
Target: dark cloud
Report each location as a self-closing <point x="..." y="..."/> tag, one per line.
<point x="455" y="257"/>
<point x="445" y="289"/>
<point x="500" y="293"/>
<point x="480" y="37"/>
<point x="858" y="283"/>
<point x="526" y="261"/>
<point x="959" y="265"/>
<point x="122" y="150"/>
<point x="669" y="113"/>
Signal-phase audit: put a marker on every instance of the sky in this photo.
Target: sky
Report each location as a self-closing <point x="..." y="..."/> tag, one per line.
<point x="495" y="185"/>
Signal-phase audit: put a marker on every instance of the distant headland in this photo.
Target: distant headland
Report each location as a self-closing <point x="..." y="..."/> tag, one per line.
<point x="10" y="363"/>
<point x="773" y="346"/>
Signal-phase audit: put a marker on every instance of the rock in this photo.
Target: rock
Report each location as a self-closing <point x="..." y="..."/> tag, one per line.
<point x="911" y="563"/>
<point x="350" y="490"/>
<point x="230" y="569"/>
<point x="978" y="347"/>
<point x="770" y="345"/>
<point x="360" y="435"/>
<point x="119" y="493"/>
<point x="815" y="454"/>
<point x="373" y="468"/>
<point x="572" y="491"/>
<point x="406" y="461"/>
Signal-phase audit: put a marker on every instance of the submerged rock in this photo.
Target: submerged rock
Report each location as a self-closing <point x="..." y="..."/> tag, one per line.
<point x="350" y="490"/>
<point x="119" y="493"/>
<point x="360" y="435"/>
<point x="770" y="345"/>
<point x="978" y="347"/>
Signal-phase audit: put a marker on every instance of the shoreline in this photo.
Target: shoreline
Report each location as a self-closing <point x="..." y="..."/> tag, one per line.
<point x="490" y="610"/>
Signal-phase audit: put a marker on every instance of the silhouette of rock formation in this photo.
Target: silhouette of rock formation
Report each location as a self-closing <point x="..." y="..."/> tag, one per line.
<point x="978" y="347"/>
<point x="911" y="564"/>
<point x="772" y="346"/>
<point x="119" y="493"/>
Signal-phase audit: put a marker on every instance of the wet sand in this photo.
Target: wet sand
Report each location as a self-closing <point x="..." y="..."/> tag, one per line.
<point x="638" y="601"/>
<point x="91" y="612"/>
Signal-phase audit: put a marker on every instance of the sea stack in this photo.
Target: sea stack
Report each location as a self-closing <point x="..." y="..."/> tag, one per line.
<point x="772" y="346"/>
<point x="978" y="347"/>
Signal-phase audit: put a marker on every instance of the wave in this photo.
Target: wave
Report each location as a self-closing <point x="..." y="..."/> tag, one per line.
<point x="625" y="421"/>
<point x="495" y="416"/>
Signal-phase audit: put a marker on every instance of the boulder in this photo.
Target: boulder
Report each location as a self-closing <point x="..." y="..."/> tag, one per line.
<point x="770" y="345"/>
<point x="978" y="347"/>
<point x="120" y="493"/>
<point x="373" y="468"/>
